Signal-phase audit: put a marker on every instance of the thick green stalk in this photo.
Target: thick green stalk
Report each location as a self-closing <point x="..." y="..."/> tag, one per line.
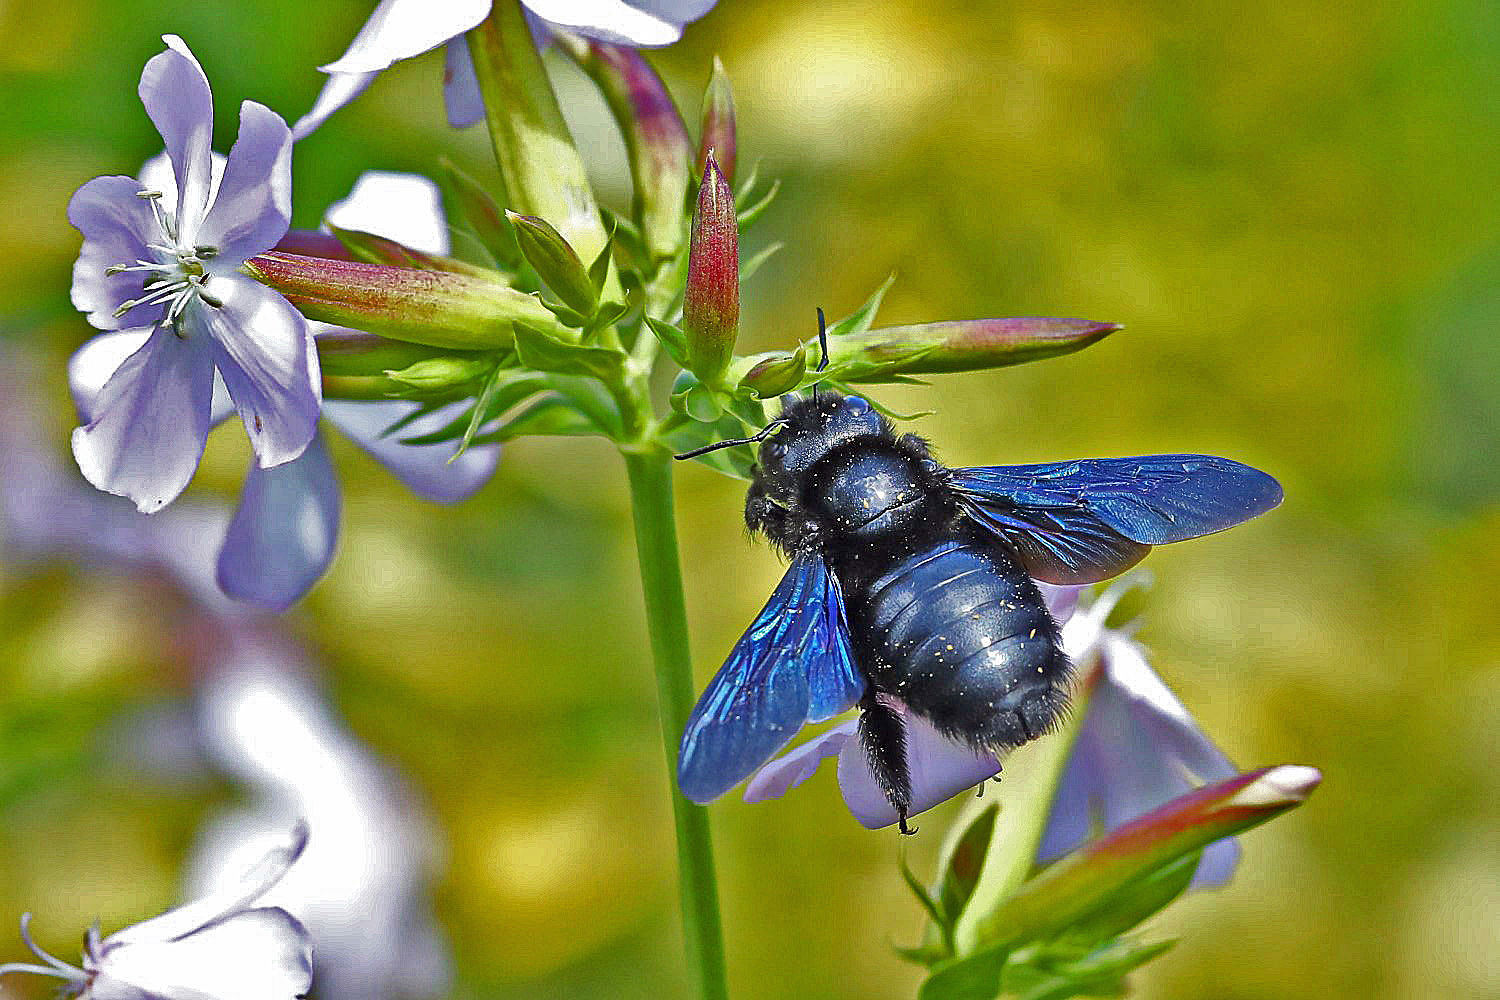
<point x="543" y="172"/>
<point x="661" y="579"/>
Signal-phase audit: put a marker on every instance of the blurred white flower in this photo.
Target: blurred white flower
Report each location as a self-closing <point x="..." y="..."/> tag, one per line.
<point x="220" y="947"/>
<point x="363" y="889"/>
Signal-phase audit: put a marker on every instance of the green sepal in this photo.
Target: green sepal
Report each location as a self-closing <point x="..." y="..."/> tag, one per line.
<point x="510" y="388"/>
<point x="673" y="340"/>
<point x="697" y="401"/>
<point x="963" y="862"/>
<point x="749" y="267"/>
<point x="747" y="186"/>
<point x="540" y="352"/>
<point x="862" y="318"/>
<point x="375" y="249"/>
<point x="550" y="417"/>
<point x="934" y="907"/>
<point x="599" y="269"/>
<point x="972" y="977"/>
<point x="776" y="375"/>
<point x="482" y="214"/>
<point x="476" y="415"/>
<point x="733" y="462"/>
<point x="565" y="315"/>
<point x="751" y="214"/>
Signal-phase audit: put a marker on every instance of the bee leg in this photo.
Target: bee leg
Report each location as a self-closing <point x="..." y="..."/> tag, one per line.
<point x="883" y="736"/>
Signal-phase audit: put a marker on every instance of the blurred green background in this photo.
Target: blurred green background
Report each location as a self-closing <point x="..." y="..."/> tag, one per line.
<point x="1292" y="207"/>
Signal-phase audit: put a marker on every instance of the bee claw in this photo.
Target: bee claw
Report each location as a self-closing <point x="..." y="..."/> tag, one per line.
<point x="905" y="830"/>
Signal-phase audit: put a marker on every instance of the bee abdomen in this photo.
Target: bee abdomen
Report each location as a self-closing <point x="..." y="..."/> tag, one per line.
<point x="962" y="635"/>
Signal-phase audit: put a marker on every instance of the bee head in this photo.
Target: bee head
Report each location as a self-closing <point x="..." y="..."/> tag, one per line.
<point x="814" y="426"/>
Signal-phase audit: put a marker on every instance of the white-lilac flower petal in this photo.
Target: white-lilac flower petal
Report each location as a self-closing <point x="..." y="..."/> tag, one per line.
<point x="340" y="89"/>
<point x="400" y="29"/>
<point x="284" y="532"/>
<point x="92" y="365"/>
<point x="175" y="93"/>
<point x="117" y="224"/>
<point x="150" y="421"/>
<point x="940" y="768"/>
<point x="461" y="94"/>
<point x="252" y="201"/>
<point x="266" y="354"/>
<point x="407" y="208"/>
<point x="428" y="470"/>
<point x="221" y="947"/>
<point x="145" y="264"/>
<point x="795" y="766"/>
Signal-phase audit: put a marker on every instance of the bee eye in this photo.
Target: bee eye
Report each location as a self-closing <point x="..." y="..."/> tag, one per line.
<point x="857" y="404"/>
<point x="773" y="450"/>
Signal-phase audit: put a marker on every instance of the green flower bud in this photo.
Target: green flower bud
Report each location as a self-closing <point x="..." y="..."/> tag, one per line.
<point x="555" y="262"/>
<point x="774" y="376"/>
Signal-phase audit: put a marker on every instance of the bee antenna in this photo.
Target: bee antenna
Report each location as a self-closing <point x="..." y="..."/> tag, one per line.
<point x="822" y="343"/>
<point x="759" y="435"/>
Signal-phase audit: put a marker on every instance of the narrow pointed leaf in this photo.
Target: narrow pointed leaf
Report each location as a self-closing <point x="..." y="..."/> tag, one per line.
<point x="538" y="351"/>
<point x="748" y="216"/>
<point x="485" y="217"/>
<point x="375" y="249"/>
<point x="862" y="318"/>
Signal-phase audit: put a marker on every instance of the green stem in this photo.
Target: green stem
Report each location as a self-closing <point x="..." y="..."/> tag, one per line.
<point x="661" y="579"/>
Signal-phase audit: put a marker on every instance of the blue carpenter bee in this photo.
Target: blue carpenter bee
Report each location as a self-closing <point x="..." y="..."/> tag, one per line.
<point x="915" y="581"/>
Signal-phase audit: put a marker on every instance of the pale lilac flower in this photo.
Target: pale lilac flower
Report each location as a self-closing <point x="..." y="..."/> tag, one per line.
<point x="165" y="257"/>
<point x="400" y="29"/>
<point x="363" y="888"/>
<point x="1138" y="748"/>
<point x="284" y="533"/>
<point x="220" y="947"/>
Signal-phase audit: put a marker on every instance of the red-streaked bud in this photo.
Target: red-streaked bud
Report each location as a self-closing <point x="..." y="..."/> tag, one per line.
<point x="656" y="139"/>
<point x="711" y="302"/>
<point x="483" y="214"/>
<point x="961" y="345"/>
<point x="1086" y="880"/>
<point x="718" y="123"/>
<point x="555" y="262"/>
<point x="425" y="307"/>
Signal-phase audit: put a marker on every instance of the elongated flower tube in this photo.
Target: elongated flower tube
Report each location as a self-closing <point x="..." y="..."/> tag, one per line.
<point x="711" y="301"/>
<point x="718" y="135"/>
<point x="656" y="139"/>
<point x="164" y="253"/>
<point x="219" y="947"/>
<point x="438" y="308"/>
<point x="960" y="346"/>
<point x="1067" y="890"/>
<point x="400" y="29"/>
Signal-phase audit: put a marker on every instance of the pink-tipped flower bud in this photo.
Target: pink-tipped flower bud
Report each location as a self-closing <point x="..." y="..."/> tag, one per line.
<point x="960" y="346"/>
<point x="1080" y="883"/>
<point x="718" y="123"/>
<point x="711" y="302"/>
<point x="776" y="375"/>
<point x="438" y="308"/>
<point x="656" y="140"/>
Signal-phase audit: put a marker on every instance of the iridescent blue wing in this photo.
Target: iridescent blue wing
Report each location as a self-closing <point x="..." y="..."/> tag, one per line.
<point x="793" y="666"/>
<point x="1078" y="522"/>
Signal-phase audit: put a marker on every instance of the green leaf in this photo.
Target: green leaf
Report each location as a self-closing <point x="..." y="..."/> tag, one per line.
<point x="552" y="417"/>
<point x="973" y="977"/>
<point x="599" y="269"/>
<point x="672" y="339"/>
<point x="510" y="388"/>
<point x="963" y="863"/>
<point x="747" y="186"/>
<point x="483" y="215"/>
<point x="747" y="217"/>
<point x="749" y="267"/>
<point x="538" y="351"/>
<point x="375" y="249"/>
<point x="1136" y="901"/>
<point x="862" y="318"/>
<point x="476" y="416"/>
<point x="934" y="908"/>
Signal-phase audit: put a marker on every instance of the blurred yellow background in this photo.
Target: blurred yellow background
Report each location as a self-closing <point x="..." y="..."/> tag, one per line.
<point x="1293" y="209"/>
